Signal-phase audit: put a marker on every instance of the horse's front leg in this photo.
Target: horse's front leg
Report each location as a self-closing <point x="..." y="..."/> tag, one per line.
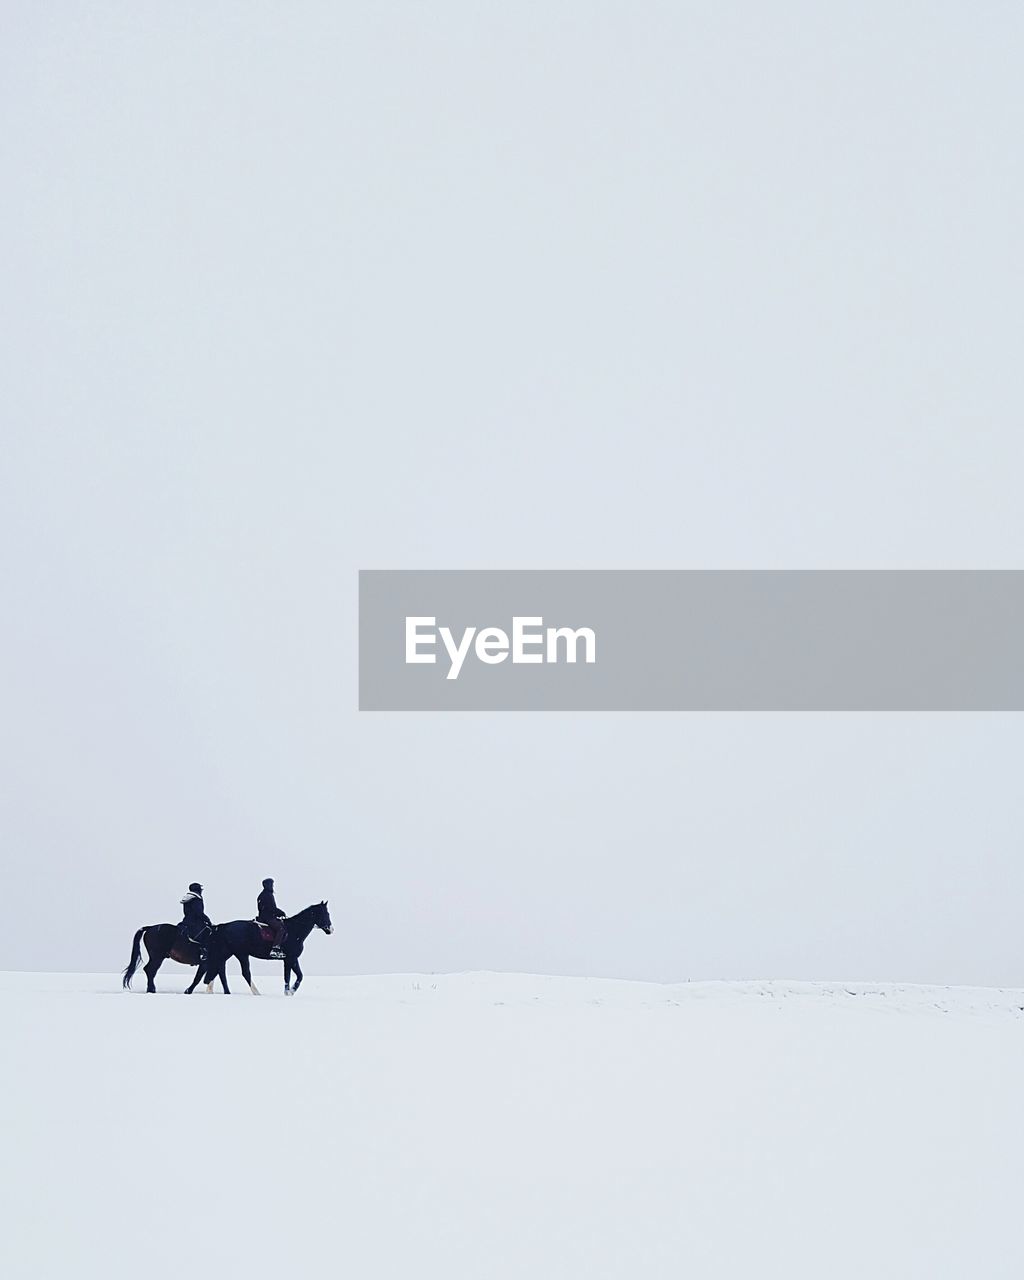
<point x="212" y="972"/>
<point x="298" y="974"/>
<point x="287" y="977"/>
<point x="205" y="973"/>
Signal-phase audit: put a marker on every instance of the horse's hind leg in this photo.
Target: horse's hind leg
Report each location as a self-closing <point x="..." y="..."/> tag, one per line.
<point x="152" y="967"/>
<point x="243" y="960"/>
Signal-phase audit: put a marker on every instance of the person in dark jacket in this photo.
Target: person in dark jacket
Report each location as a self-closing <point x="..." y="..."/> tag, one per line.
<point x="196" y="925"/>
<point x="269" y="913"/>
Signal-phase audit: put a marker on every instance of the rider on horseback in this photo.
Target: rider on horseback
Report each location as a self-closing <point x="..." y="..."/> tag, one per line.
<point x="196" y="926"/>
<point x="268" y="913"/>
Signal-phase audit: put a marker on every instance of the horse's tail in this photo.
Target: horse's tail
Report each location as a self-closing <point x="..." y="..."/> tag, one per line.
<point x="133" y="963"/>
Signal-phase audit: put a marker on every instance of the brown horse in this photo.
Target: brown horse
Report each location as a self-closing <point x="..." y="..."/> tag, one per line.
<point x="164" y="942"/>
<point x="244" y="938"/>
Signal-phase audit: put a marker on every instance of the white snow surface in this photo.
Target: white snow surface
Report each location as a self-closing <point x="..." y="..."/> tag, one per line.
<point x="505" y="1125"/>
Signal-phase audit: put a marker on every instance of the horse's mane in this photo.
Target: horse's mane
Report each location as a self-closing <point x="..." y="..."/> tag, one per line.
<point x="305" y="911"/>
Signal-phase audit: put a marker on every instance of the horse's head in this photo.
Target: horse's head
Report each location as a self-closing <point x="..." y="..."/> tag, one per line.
<point x="322" y="917"/>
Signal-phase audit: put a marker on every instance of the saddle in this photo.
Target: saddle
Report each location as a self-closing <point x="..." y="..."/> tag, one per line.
<point x="267" y="936"/>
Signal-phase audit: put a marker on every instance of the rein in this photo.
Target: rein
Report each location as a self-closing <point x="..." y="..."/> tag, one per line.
<point x="300" y="925"/>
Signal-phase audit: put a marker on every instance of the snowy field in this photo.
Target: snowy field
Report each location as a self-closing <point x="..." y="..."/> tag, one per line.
<point x="489" y="1125"/>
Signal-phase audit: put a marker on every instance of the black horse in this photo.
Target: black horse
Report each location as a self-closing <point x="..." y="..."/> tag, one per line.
<point x="244" y="938"/>
<point x="164" y="942"/>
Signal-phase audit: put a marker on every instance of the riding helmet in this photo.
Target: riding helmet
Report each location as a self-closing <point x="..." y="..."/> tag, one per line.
<point x="268" y="884"/>
<point x="195" y="888"/>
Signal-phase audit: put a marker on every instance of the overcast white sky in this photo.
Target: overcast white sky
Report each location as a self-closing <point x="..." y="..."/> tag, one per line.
<point x="293" y="289"/>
